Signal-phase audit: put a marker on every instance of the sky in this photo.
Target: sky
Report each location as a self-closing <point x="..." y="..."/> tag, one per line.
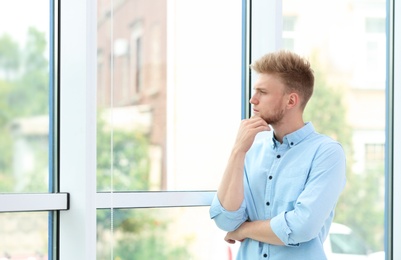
<point x="16" y="16"/>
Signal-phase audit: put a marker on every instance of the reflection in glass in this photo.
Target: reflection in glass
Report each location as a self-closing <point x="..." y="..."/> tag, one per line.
<point x="24" y="235"/>
<point x="24" y="96"/>
<point x="170" y="233"/>
<point x="162" y="70"/>
<point x="345" y="42"/>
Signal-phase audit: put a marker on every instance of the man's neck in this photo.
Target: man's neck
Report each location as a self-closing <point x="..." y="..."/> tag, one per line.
<point x="286" y="127"/>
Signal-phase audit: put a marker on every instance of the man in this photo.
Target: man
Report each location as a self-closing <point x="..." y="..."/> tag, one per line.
<point x="282" y="182"/>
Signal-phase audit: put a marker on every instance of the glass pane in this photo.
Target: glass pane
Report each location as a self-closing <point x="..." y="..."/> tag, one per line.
<point x="169" y="86"/>
<point x="24" y="236"/>
<point x="346" y="43"/>
<point x="170" y="233"/>
<point x="24" y="98"/>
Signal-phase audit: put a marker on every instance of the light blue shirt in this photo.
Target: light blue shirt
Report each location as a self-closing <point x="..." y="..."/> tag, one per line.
<point x="296" y="184"/>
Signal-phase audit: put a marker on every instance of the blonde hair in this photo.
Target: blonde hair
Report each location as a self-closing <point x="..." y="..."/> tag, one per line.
<point x="294" y="71"/>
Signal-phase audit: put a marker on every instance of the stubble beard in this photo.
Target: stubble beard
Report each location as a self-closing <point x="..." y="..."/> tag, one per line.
<point x="275" y="118"/>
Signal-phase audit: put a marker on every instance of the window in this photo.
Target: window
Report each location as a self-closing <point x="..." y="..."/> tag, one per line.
<point x="28" y="142"/>
<point x="159" y="139"/>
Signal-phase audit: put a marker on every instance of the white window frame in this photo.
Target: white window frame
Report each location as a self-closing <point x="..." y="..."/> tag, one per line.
<point x="77" y="227"/>
<point x="393" y="183"/>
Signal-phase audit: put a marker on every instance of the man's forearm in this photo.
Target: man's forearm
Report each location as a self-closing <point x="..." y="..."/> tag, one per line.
<point x="259" y="230"/>
<point x="231" y="189"/>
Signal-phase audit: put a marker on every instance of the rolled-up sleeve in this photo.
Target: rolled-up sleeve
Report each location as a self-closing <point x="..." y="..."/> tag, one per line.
<point x="279" y="226"/>
<point x="316" y="203"/>
<point x="227" y="220"/>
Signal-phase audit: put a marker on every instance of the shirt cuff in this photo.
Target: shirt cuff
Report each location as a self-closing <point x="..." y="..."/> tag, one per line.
<point x="279" y="226"/>
<point x="227" y="220"/>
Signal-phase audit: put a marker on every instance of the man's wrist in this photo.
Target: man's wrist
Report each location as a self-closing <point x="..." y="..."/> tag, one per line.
<point x="245" y="229"/>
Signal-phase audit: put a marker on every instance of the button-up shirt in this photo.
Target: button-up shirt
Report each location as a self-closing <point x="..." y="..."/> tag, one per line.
<point x="295" y="184"/>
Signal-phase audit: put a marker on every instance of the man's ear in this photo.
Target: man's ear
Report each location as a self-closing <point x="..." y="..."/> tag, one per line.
<point x="293" y="100"/>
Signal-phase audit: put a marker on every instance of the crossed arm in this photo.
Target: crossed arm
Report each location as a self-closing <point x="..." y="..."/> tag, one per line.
<point x="259" y="230"/>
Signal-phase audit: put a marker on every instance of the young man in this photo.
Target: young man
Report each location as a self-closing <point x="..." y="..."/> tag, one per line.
<point x="282" y="182"/>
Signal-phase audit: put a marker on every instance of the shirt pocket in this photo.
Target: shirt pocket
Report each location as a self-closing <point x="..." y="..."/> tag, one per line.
<point x="289" y="185"/>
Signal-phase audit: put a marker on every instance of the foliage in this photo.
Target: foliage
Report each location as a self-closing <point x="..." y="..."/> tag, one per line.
<point x="150" y="246"/>
<point x="329" y="115"/>
<point x="9" y="55"/>
<point x="6" y="181"/>
<point x="138" y="234"/>
<point x="26" y="73"/>
<point x="360" y="208"/>
<point x="23" y="94"/>
<point x="141" y="234"/>
<point x="130" y="165"/>
<point x="327" y="110"/>
<point x="30" y="96"/>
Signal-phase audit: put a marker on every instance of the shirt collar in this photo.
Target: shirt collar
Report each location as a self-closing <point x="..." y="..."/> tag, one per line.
<point x="296" y="137"/>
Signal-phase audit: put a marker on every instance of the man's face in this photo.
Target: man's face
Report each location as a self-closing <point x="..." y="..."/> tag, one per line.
<point x="269" y="98"/>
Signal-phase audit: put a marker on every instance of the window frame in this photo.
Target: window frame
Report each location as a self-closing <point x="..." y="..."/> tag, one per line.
<point x="393" y="135"/>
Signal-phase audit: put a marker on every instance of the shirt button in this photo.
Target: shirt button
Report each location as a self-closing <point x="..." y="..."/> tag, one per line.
<point x="270" y="177"/>
<point x="264" y="255"/>
<point x="292" y="143"/>
<point x="268" y="203"/>
<point x="278" y="156"/>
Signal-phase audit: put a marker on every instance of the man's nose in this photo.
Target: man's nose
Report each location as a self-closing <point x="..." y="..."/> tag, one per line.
<point x="253" y="100"/>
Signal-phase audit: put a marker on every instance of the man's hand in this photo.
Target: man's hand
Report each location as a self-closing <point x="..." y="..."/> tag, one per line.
<point x="248" y="129"/>
<point x="233" y="236"/>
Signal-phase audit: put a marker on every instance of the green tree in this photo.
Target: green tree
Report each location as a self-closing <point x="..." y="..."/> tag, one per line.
<point x="9" y="56"/>
<point x="327" y="110"/>
<point x="30" y="94"/>
<point x="360" y="207"/>
<point x="27" y="91"/>
<point x="6" y="178"/>
<point x="23" y="94"/>
<point x="139" y="234"/>
<point x="130" y="160"/>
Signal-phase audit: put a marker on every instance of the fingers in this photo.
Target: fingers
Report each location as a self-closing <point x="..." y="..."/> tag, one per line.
<point x="249" y="128"/>
<point x="230" y="241"/>
<point x="256" y="123"/>
<point x="256" y="120"/>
